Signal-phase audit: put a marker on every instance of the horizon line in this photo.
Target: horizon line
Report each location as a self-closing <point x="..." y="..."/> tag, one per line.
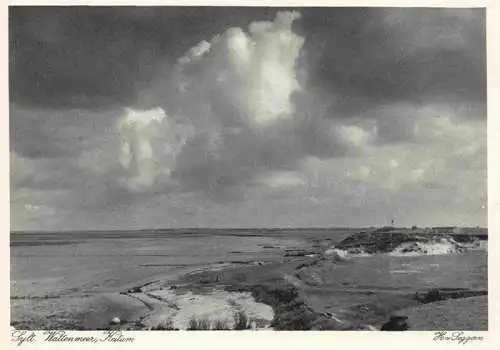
<point x="250" y="228"/>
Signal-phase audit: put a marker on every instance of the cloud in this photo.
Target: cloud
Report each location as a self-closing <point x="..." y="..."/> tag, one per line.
<point x="62" y="57"/>
<point x="119" y="117"/>
<point x="237" y="95"/>
<point x="251" y="75"/>
<point x="236" y="108"/>
<point x="445" y="152"/>
<point x="20" y="169"/>
<point x="431" y="29"/>
<point x="265" y="62"/>
<point x="89" y="57"/>
<point x="282" y="180"/>
<point x="356" y="136"/>
<point x="398" y="55"/>
<point x="33" y="133"/>
<point x="57" y="133"/>
<point x="66" y="57"/>
<point x="136" y="154"/>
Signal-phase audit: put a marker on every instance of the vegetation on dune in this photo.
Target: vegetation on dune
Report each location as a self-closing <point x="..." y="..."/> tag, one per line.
<point x="378" y="241"/>
<point x="241" y="321"/>
<point x="387" y="239"/>
<point x="167" y="325"/>
<point x="220" y="325"/>
<point x="198" y="324"/>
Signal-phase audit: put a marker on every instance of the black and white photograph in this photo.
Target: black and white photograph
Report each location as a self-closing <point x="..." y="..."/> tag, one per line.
<point x="178" y="168"/>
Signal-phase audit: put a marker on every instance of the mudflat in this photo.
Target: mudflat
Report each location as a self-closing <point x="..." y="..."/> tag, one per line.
<point x="275" y="279"/>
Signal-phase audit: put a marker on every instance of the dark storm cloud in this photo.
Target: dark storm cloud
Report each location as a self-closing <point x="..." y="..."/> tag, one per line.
<point x="94" y="56"/>
<point x="67" y="57"/>
<point x="378" y="56"/>
<point x="84" y="56"/>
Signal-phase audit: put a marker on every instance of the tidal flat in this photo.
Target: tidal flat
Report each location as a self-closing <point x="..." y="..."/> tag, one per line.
<point x="296" y="279"/>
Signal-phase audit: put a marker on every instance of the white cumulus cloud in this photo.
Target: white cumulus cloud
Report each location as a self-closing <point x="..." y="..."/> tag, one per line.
<point x="236" y="94"/>
<point x="137" y="129"/>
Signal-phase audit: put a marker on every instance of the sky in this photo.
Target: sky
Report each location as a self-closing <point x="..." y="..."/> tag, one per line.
<point x="132" y="118"/>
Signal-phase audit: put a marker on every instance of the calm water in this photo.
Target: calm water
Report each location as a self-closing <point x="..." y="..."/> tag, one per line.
<point x="66" y="263"/>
